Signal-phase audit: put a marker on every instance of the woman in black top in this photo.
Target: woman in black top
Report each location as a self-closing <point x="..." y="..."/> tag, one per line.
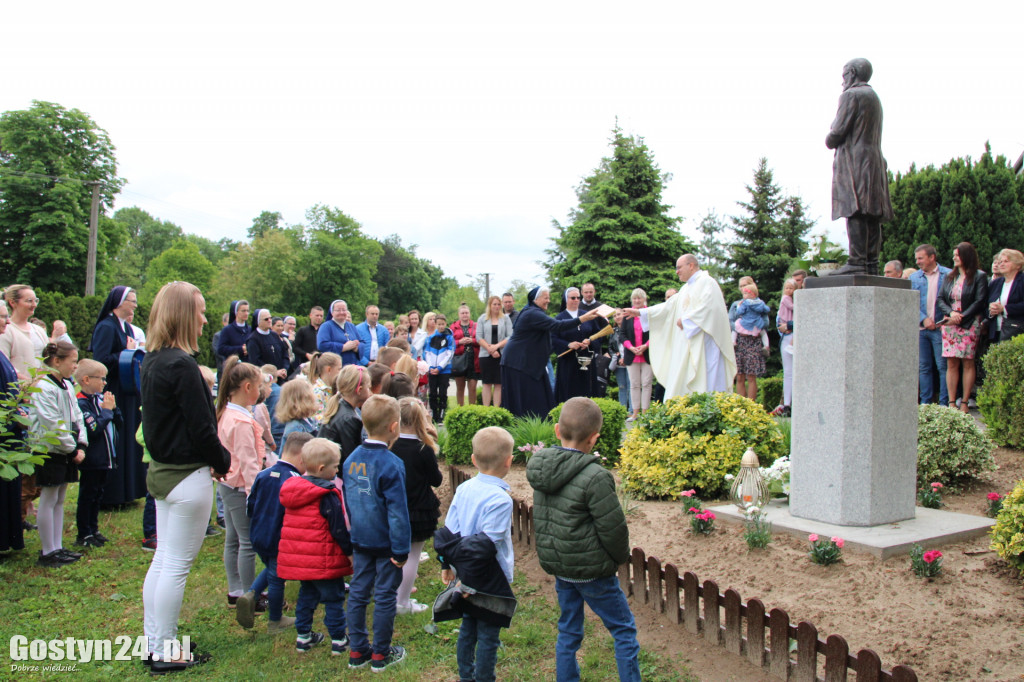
<point x="962" y="301"/>
<point x="180" y="428"/>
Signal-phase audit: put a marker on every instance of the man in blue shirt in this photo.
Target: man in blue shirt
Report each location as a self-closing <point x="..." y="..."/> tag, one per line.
<point x="928" y="281"/>
<point x="372" y="336"/>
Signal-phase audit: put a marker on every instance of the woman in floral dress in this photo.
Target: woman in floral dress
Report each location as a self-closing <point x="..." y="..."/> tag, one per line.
<point x="962" y="299"/>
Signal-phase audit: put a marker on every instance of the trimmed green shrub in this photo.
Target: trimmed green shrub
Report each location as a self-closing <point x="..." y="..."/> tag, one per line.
<point x="1008" y="533"/>
<point x="1000" y="399"/>
<point x="951" y="447"/>
<point x="693" y="441"/>
<point x="462" y="423"/>
<point x="769" y="392"/>
<point x="611" y="428"/>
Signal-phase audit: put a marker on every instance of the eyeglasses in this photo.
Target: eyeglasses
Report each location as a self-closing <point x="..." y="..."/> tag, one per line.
<point x="574" y="298"/>
<point x="30" y="300"/>
<point x="133" y="301"/>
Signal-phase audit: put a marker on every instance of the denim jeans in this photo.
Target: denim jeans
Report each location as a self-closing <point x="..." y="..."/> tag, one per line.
<point x="477" y="649"/>
<point x="373" y="577"/>
<point x="268" y="580"/>
<point x="929" y="347"/>
<point x="622" y="378"/>
<point x="606" y="599"/>
<point x="149" y="517"/>
<point x="331" y="593"/>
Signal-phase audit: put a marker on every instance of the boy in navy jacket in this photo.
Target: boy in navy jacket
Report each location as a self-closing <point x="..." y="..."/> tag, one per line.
<point x="99" y="410"/>
<point x="374" y="480"/>
<point x="266" y="514"/>
<point x="438" y="351"/>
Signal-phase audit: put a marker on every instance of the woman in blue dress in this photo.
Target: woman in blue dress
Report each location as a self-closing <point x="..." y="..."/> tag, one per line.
<point x="525" y="384"/>
<point x="111" y="335"/>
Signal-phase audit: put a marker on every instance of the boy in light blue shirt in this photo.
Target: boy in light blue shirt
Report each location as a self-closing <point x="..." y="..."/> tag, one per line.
<point x="483" y="505"/>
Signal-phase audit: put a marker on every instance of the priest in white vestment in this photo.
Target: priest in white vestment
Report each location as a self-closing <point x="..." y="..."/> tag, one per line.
<point x="691" y="343"/>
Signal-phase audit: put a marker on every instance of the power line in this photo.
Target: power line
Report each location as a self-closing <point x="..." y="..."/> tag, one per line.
<point x="43" y="176"/>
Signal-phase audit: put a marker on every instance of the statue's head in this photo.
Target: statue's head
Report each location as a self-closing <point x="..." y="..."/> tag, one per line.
<point x="857" y="71"/>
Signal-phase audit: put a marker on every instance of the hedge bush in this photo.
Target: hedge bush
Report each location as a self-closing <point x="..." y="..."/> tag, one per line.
<point x="769" y="392"/>
<point x="1000" y="398"/>
<point x="951" y="447"/>
<point x="1008" y="533"/>
<point x="462" y="423"/>
<point x="693" y="441"/>
<point x="611" y="428"/>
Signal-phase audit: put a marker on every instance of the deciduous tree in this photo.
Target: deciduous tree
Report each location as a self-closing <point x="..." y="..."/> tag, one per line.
<point x="48" y="157"/>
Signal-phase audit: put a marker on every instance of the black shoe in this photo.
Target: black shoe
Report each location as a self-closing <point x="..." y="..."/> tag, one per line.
<point x="395" y="654"/>
<point x="51" y="560"/>
<point x="220" y="522"/>
<point x="89" y="541"/>
<point x="164" y="667"/>
<point x="25" y="525"/>
<point x="212" y="530"/>
<point x="305" y="643"/>
<point x="101" y="537"/>
<point x="262" y="603"/>
<point x="74" y="556"/>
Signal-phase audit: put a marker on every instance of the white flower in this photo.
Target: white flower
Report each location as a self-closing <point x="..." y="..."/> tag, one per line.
<point x="729" y="477"/>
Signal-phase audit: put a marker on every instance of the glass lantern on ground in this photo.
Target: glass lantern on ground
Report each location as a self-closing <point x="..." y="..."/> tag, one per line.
<point x="749" y="488"/>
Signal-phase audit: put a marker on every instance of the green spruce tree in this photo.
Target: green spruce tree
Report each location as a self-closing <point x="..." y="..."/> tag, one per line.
<point x="621" y="235"/>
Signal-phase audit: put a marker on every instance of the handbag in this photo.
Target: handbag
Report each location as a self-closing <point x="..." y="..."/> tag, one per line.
<point x="1011" y="328"/>
<point x="463" y="364"/>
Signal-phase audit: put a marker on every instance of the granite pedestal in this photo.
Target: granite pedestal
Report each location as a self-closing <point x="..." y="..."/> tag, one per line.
<point x="854" y="429"/>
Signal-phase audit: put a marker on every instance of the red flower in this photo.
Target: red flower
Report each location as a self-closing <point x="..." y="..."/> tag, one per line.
<point x="995" y="497"/>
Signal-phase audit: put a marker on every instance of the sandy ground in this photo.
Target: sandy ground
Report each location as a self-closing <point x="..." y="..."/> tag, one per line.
<point x="967" y="624"/>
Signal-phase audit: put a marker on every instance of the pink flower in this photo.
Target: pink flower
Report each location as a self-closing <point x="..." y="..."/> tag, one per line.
<point x="936" y="485"/>
<point x="688" y="493"/>
<point x="813" y="537"/>
<point x="995" y="497"/>
<point x="931" y="556"/>
<point x="693" y="510"/>
<point x="711" y="515"/>
<point x="839" y="542"/>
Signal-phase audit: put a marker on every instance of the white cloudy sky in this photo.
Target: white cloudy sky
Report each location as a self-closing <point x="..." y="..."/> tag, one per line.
<point x="464" y="127"/>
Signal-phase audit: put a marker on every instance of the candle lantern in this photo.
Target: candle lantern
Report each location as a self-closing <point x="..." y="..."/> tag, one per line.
<point x="749" y="488"/>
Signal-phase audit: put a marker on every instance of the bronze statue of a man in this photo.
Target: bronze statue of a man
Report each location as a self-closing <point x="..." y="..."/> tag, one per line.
<point x="860" y="184"/>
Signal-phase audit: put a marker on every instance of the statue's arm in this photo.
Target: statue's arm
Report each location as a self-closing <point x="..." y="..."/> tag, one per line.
<point x="845" y="117"/>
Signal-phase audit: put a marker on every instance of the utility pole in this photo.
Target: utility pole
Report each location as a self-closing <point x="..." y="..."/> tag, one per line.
<point x="487" y="287"/>
<point x="94" y="221"/>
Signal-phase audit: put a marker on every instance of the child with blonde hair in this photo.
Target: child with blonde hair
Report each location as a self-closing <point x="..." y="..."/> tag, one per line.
<point x="342" y="422"/>
<point x="296" y="409"/>
<point x="322" y="373"/>
<point x="98" y="413"/>
<point x="417" y="448"/>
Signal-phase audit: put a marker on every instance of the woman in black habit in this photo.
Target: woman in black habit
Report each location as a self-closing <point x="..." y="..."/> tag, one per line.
<point x="526" y="389"/>
<point x="111" y="335"/>
<point x="571" y="380"/>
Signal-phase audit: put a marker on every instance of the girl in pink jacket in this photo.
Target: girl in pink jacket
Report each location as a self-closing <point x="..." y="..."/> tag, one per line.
<point x="242" y="436"/>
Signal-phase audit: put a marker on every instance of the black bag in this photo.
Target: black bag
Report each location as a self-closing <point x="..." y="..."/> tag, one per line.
<point x="1010" y="329"/>
<point x="463" y="364"/>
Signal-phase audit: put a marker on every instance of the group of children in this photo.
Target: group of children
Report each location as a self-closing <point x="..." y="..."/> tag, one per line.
<point x="363" y="506"/>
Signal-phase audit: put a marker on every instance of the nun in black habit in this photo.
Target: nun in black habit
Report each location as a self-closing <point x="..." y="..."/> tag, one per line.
<point x="524" y="380"/>
<point x="111" y="335"/>
<point x="571" y="379"/>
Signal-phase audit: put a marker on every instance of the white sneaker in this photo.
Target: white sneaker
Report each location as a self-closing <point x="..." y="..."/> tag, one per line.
<point x="424" y="556"/>
<point x="413" y="607"/>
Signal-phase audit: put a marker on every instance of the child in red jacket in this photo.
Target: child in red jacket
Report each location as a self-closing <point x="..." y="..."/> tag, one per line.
<point x="315" y="547"/>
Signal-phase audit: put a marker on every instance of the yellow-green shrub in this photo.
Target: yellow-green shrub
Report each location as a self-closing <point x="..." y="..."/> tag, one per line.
<point x="1008" y="533"/>
<point x="693" y="442"/>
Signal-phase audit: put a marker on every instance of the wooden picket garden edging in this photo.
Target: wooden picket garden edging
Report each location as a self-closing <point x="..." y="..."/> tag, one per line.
<point x="700" y="608"/>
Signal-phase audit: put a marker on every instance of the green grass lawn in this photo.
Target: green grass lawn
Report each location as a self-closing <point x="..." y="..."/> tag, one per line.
<point x="100" y="597"/>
